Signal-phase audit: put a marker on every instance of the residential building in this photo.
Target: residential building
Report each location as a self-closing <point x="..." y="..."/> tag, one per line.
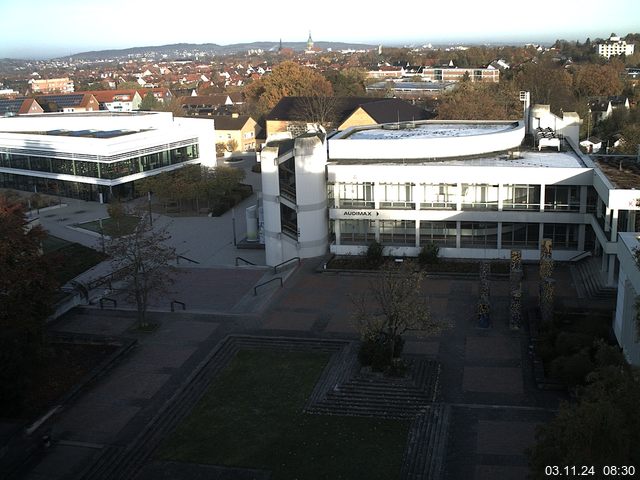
<point x="51" y="85"/>
<point x="117" y="100"/>
<point x="240" y="129"/>
<point x="292" y="114"/>
<point x="614" y="47"/>
<point x="69" y="103"/>
<point x="205" y="104"/>
<point x="19" y="106"/>
<point x="161" y="94"/>
<point x="410" y="90"/>
<point x="98" y="155"/>
<point x="441" y="74"/>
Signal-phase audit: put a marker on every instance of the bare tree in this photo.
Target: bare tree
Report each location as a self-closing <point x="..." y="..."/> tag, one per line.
<point x="144" y="260"/>
<point x="318" y="109"/>
<point x="393" y="305"/>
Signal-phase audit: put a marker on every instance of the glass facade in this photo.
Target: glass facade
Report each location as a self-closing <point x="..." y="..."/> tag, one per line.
<point x="562" y="197"/>
<point x="398" y="232"/>
<point x="440" y="196"/>
<point x="442" y="234"/>
<point x="520" y="235"/>
<point x="105" y="170"/>
<point x="397" y="195"/>
<point x="478" y="235"/>
<point x="357" y="232"/>
<point x="564" y="236"/>
<point x="355" y="195"/>
<point x="521" y="197"/>
<point x="479" y="196"/>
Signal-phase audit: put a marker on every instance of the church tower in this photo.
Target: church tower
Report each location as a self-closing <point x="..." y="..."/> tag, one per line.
<point x="309" y="42"/>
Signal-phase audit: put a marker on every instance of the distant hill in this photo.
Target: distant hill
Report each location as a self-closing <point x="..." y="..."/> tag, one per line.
<point x="189" y="49"/>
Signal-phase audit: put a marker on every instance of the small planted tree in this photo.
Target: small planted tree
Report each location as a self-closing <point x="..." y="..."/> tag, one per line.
<point x="144" y="260"/>
<point x="393" y="305"/>
<point x="375" y="256"/>
<point x="117" y="212"/>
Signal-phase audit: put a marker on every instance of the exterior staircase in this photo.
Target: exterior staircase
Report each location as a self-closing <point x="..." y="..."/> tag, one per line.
<point x="590" y="282"/>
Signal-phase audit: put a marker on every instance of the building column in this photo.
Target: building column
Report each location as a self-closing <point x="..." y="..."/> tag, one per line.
<point x="631" y="221"/>
<point x="542" y="200"/>
<point x="614" y="225"/>
<point x="336" y="230"/>
<point x="583" y="199"/>
<point x="582" y="232"/>
<point x="500" y="200"/>
<point x="458" y="234"/>
<point x="376" y="226"/>
<point x="378" y="191"/>
<point x="603" y="266"/>
<point x="540" y="235"/>
<point x="458" y="204"/>
<point x="417" y="228"/>
<point x="336" y="194"/>
<point x="612" y="271"/>
<point x="499" y="234"/>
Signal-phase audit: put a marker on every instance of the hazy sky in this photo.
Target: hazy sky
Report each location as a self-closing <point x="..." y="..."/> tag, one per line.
<point x="46" y="28"/>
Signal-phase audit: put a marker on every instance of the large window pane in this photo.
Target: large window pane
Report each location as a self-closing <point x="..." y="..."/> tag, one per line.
<point x="564" y="236"/>
<point x="397" y="195"/>
<point x="520" y="235"/>
<point x="521" y="197"/>
<point x="438" y="196"/>
<point x="397" y="232"/>
<point x="357" y="232"/>
<point x="479" y="196"/>
<point x="478" y="235"/>
<point x="356" y="195"/>
<point x="442" y="234"/>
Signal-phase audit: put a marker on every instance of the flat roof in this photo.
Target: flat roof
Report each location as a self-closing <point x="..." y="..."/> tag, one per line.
<point x="622" y="171"/>
<point x="91" y="133"/>
<point x="530" y="159"/>
<point x="429" y="130"/>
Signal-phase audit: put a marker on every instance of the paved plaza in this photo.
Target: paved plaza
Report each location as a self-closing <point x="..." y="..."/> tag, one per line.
<point x="485" y="377"/>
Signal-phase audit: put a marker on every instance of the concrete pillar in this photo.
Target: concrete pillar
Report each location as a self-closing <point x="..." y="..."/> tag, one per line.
<point x="458" y="203"/>
<point x="603" y="266"/>
<point x="417" y="226"/>
<point x="542" y="198"/>
<point x="499" y="244"/>
<point x="583" y="199"/>
<point x="582" y="233"/>
<point x="612" y="271"/>
<point x="614" y="225"/>
<point x="336" y="230"/>
<point x="458" y="234"/>
<point x="501" y="194"/>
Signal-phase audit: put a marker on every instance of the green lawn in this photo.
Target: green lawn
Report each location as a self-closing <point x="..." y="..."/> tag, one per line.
<point x="252" y="417"/>
<point x="125" y="226"/>
<point x="69" y="259"/>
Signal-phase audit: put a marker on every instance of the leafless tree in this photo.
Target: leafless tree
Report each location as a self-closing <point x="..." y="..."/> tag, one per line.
<point x="393" y="305"/>
<point x="318" y="109"/>
<point x="144" y="260"/>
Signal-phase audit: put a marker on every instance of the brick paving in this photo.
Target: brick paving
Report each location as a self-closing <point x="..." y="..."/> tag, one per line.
<point x="485" y="380"/>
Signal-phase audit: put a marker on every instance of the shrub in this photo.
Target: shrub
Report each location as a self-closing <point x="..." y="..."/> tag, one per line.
<point x="428" y="254"/>
<point x="568" y="343"/>
<point x="573" y="369"/>
<point x="374" y="254"/>
<point x="375" y="352"/>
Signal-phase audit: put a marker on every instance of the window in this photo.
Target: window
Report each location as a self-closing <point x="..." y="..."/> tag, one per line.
<point x="357" y="232"/>
<point x="355" y="195"/>
<point x="521" y="197"/>
<point x="520" y="235"/>
<point x="398" y="232"/>
<point x="442" y="234"/>
<point x="289" y="221"/>
<point x="479" y="196"/>
<point x="478" y="235"/>
<point x="397" y="195"/>
<point x="438" y="196"/>
<point x="564" y="236"/>
<point x="562" y="197"/>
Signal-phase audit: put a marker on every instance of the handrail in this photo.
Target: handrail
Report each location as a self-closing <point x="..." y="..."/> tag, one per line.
<point x="178" y="257"/>
<point x="244" y="260"/>
<point x="182" y="304"/>
<point x="275" y="269"/>
<point x="107" y="299"/>
<point x="255" y="289"/>
<point x="580" y="256"/>
<point x="108" y="278"/>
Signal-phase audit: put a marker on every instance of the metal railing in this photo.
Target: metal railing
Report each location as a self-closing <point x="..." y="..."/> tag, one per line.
<point x="275" y="269"/>
<point x="255" y="289"/>
<point x="244" y="260"/>
<point x="174" y="302"/>
<point x="178" y="257"/>
<point x="107" y="299"/>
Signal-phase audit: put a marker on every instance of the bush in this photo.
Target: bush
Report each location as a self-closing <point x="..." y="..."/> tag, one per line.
<point x="428" y="254"/>
<point x="376" y="352"/>
<point x="568" y="343"/>
<point x="573" y="369"/>
<point x="374" y="254"/>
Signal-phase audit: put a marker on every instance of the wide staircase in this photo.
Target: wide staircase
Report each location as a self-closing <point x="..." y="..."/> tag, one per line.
<point x="590" y="282"/>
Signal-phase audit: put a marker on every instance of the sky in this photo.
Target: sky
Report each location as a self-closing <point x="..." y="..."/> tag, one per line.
<point x="46" y="28"/>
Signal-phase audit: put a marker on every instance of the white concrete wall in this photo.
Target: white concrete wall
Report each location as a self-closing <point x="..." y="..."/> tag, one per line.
<point x="311" y="196"/>
<point x="624" y="324"/>
<point x="273" y="241"/>
<point x="343" y="147"/>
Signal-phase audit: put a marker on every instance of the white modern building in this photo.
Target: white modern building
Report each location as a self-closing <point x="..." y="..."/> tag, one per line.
<point x="625" y="325"/>
<point x="476" y="189"/>
<point x="614" y="47"/>
<point x="95" y="155"/>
